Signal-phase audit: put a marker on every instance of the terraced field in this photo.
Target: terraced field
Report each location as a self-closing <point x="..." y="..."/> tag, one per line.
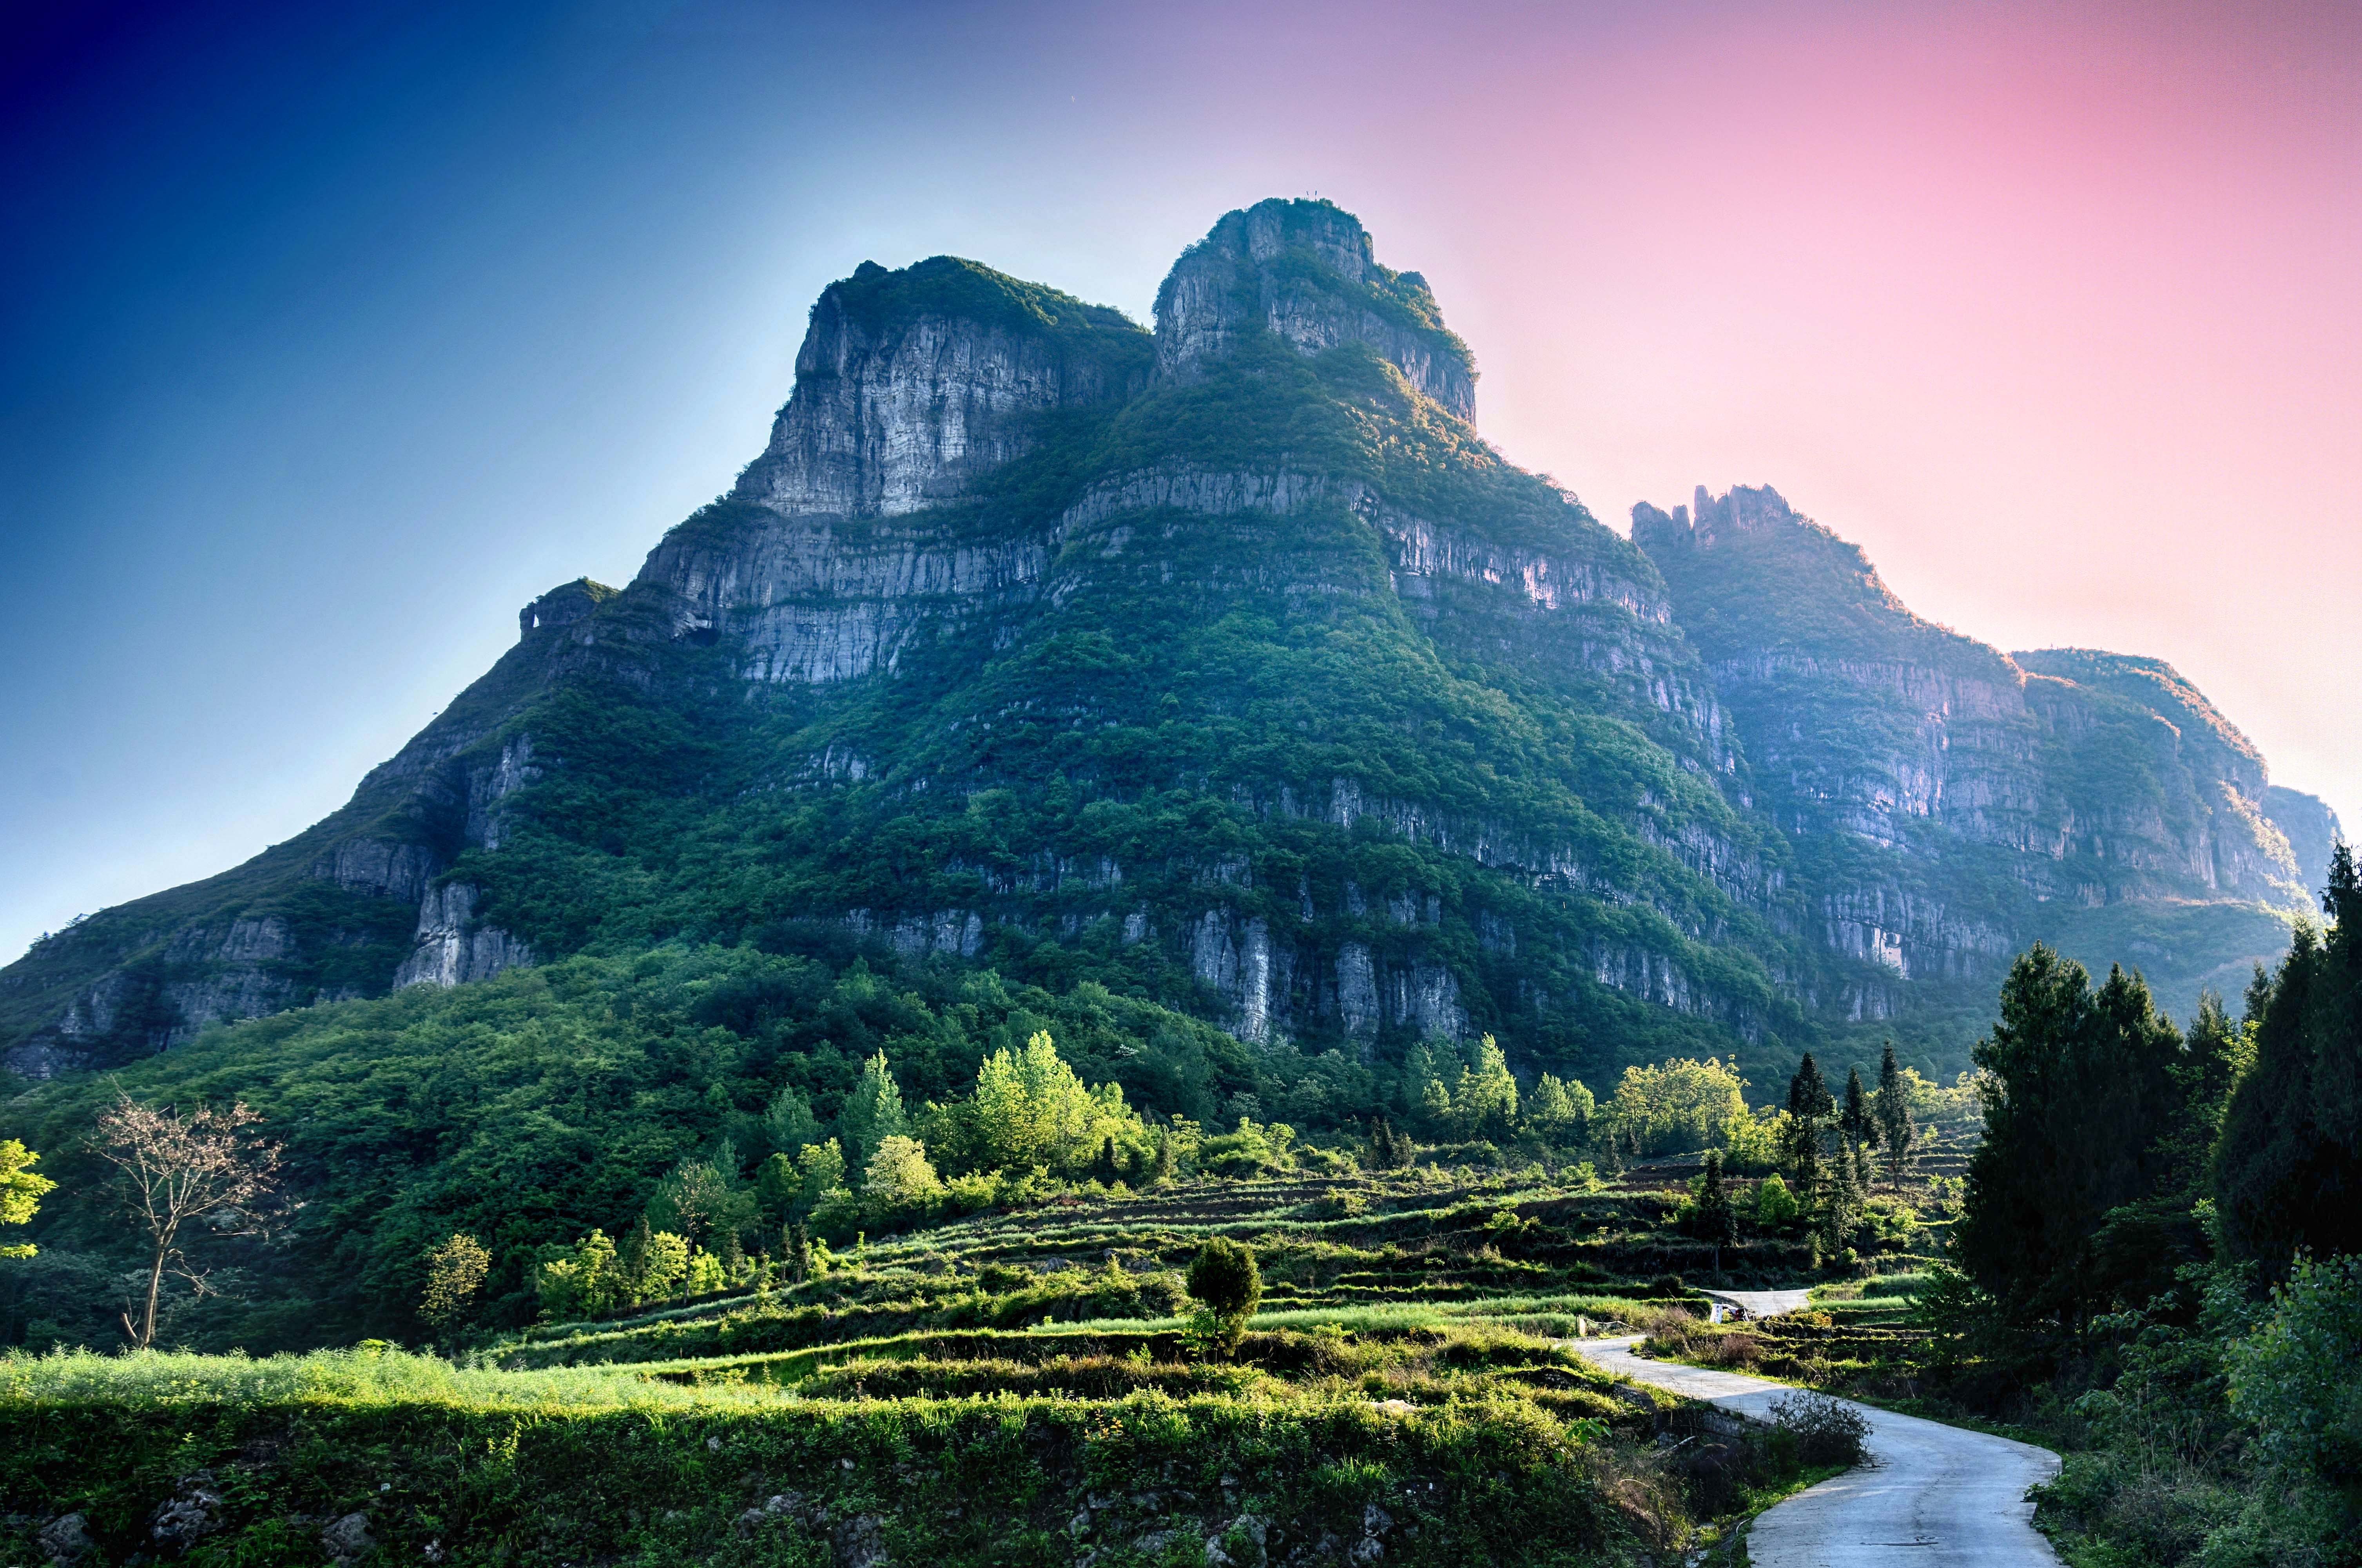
<point x="1017" y="1388"/>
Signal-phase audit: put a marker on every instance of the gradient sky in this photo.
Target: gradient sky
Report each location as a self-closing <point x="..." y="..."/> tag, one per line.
<point x="329" y="334"/>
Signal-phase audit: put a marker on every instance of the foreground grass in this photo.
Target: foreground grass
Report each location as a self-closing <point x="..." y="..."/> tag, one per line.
<point x="448" y="1464"/>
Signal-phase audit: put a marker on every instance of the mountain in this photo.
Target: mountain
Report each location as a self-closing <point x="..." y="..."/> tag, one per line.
<point x="1227" y="666"/>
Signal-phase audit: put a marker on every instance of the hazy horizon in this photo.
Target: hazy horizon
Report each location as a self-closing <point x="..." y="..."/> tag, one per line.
<point x="341" y="335"/>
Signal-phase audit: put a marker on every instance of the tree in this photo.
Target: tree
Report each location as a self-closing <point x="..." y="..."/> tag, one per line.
<point x="455" y="1272"/>
<point x="1892" y="1114"/>
<point x="2289" y="1170"/>
<point x="2080" y="1096"/>
<point x="798" y="1240"/>
<point x="822" y="1176"/>
<point x="777" y="1187"/>
<point x="1717" y="1221"/>
<point x="1031" y="1109"/>
<point x="1484" y="1101"/>
<point x="1225" y="1280"/>
<point x="872" y="1113"/>
<point x="700" y="1197"/>
<point x="1775" y="1204"/>
<point x="1558" y="1111"/>
<point x="1682" y="1104"/>
<point x="1167" y="1160"/>
<point x="1854" y="1121"/>
<point x="175" y="1168"/>
<point x="1809" y="1107"/>
<point x="21" y="1190"/>
<point x="650" y="1262"/>
<point x="790" y="1123"/>
<point x="898" y="1177"/>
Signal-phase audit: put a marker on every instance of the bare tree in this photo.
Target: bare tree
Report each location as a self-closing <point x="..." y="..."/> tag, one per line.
<point x="204" y="1166"/>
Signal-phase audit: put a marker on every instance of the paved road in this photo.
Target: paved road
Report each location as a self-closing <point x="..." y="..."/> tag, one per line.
<point x="1935" y="1496"/>
<point x="1762" y="1303"/>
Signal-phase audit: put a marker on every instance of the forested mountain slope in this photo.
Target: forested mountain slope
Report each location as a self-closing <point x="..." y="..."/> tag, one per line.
<point x="1226" y="665"/>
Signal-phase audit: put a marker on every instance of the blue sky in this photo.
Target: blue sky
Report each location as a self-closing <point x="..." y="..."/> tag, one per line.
<point x="331" y="335"/>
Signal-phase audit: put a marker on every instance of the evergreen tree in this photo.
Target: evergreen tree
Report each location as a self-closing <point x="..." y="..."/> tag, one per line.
<point x="872" y="1113"/>
<point x="1893" y="1113"/>
<point x="777" y="1187"/>
<point x="1809" y="1106"/>
<point x="1840" y="1203"/>
<point x="1167" y="1159"/>
<point x="2080" y="1100"/>
<point x="2288" y="1170"/>
<point x="1717" y="1221"/>
<point x="632" y="1261"/>
<point x="1854" y="1121"/>
<point x="790" y="1123"/>
<point x="1485" y="1102"/>
<point x="798" y="1240"/>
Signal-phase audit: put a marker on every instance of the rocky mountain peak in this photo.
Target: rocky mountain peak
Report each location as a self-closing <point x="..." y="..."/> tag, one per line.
<point x="1307" y="273"/>
<point x="911" y="383"/>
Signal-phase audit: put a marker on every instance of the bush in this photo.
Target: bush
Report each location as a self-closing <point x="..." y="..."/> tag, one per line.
<point x="1828" y="1431"/>
<point x="1227" y="1282"/>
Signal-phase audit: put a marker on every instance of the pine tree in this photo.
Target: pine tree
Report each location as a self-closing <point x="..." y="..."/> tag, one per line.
<point x="1717" y="1222"/>
<point x="1167" y="1159"/>
<point x="634" y="1262"/>
<point x="2289" y="1168"/>
<point x="873" y="1112"/>
<point x="2081" y="1103"/>
<point x="1808" y="1106"/>
<point x="1854" y="1121"/>
<point x="1895" y="1131"/>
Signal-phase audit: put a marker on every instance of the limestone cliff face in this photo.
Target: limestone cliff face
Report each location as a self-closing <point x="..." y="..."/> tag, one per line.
<point x="1950" y="799"/>
<point x="2312" y="829"/>
<point x="1305" y="272"/>
<point x="824" y="562"/>
<point x="909" y="385"/>
<point x="453" y="947"/>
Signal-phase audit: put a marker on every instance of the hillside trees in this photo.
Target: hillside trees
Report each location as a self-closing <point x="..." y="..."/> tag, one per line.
<point x="872" y="1113"/>
<point x="1682" y="1104"/>
<point x="2289" y="1172"/>
<point x="1030" y="1109"/>
<point x="2080" y="1096"/>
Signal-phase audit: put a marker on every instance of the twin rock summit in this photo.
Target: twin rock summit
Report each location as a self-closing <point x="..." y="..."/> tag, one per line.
<point x="1227" y="664"/>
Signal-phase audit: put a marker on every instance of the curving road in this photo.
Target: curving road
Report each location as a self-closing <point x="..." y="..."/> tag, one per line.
<point x="1934" y="1496"/>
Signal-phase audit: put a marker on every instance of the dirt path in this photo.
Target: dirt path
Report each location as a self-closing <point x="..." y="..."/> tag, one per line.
<point x="1935" y="1496"/>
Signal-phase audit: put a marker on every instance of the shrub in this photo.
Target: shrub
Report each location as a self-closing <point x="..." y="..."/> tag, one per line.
<point x="1225" y="1279"/>
<point x="1828" y="1431"/>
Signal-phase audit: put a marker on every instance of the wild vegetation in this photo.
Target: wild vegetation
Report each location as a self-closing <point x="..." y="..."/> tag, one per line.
<point x="2152" y="1267"/>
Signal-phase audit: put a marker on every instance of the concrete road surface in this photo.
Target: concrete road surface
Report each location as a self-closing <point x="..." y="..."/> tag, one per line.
<point x="1762" y="1303"/>
<point x="1934" y="1496"/>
